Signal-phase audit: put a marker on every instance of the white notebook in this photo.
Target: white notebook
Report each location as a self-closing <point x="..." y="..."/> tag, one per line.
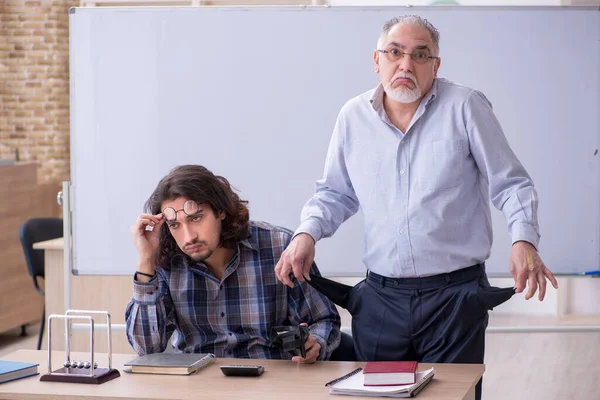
<point x="352" y="384"/>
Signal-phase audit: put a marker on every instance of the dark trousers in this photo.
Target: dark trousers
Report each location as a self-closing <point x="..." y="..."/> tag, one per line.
<point x="437" y="319"/>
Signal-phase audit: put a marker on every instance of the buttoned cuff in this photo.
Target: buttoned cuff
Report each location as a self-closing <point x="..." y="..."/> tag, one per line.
<point x="311" y="227"/>
<point x="146" y="293"/>
<point x="525" y="232"/>
<point x="323" y="351"/>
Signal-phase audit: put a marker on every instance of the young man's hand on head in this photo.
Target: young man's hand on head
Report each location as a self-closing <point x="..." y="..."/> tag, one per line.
<point x="146" y="233"/>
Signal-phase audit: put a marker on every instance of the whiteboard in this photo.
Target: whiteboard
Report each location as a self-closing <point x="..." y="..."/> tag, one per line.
<point x="252" y="93"/>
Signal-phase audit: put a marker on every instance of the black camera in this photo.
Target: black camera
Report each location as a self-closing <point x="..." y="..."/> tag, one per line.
<point x="290" y="338"/>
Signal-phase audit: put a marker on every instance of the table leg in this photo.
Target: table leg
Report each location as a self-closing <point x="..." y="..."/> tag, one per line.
<point x="470" y="394"/>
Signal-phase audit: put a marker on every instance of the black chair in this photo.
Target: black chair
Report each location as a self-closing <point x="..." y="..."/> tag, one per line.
<point x="345" y="351"/>
<point x="37" y="230"/>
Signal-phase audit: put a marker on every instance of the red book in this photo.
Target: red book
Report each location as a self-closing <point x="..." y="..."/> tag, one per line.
<point x="390" y="373"/>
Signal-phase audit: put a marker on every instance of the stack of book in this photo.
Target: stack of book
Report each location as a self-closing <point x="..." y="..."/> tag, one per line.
<point x="383" y="379"/>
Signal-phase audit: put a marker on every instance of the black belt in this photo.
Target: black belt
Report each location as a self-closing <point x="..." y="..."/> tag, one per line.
<point x="461" y="275"/>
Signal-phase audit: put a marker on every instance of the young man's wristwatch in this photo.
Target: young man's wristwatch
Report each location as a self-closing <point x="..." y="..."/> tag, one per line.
<point x="144" y="274"/>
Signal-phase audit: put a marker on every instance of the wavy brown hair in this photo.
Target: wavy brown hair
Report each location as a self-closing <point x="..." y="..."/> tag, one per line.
<point x="199" y="184"/>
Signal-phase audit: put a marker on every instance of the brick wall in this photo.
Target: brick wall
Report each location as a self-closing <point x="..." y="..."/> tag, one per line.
<point x="34" y="84"/>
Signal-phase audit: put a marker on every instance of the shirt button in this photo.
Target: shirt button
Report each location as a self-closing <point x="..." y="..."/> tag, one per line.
<point x="402" y="172"/>
<point x="401" y="231"/>
<point x="230" y="334"/>
<point x="222" y="314"/>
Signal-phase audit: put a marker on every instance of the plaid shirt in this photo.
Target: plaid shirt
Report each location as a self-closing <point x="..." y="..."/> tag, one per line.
<point x="232" y="317"/>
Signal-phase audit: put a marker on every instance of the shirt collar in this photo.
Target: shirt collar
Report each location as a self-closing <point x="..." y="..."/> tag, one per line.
<point x="377" y="98"/>
<point x="432" y="93"/>
<point x="250" y="243"/>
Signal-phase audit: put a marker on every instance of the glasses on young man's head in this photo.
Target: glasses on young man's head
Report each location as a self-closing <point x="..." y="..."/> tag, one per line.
<point x="190" y="208"/>
<point x="419" y="57"/>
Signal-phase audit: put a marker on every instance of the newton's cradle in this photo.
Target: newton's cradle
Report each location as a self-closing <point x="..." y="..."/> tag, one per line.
<point x="79" y="371"/>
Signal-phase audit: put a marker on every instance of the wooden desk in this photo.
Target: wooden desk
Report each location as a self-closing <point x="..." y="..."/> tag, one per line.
<point x="281" y="380"/>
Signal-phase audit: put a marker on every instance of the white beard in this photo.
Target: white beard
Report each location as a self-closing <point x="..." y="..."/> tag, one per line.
<point x="403" y="94"/>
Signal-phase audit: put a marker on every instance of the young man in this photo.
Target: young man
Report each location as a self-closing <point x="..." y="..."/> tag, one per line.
<point x="206" y="275"/>
<point x="421" y="156"/>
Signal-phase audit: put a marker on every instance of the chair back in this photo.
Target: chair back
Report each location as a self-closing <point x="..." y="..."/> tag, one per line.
<point x="345" y="351"/>
<point x="38" y="230"/>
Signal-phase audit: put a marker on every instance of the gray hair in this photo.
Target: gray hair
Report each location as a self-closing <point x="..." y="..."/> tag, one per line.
<point x="411" y="20"/>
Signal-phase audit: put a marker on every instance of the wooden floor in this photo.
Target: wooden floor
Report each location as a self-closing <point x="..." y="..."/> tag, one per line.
<point x="529" y="366"/>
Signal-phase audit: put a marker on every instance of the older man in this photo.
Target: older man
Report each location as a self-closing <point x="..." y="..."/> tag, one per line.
<point x="421" y="156"/>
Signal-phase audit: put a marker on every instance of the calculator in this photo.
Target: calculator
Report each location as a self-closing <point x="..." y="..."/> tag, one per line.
<point x="242" y="370"/>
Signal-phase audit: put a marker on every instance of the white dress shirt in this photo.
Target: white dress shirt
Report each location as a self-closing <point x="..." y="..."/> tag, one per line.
<point x="424" y="193"/>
